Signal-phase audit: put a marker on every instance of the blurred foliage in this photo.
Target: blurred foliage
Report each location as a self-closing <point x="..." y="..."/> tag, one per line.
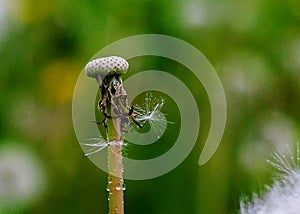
<point x="253" y="45"/>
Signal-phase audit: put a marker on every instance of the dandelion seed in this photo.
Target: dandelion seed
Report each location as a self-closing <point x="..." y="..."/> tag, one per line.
<point x="150" y="112"/>
<point x="149" y="115"/>
<point x="96" y="145"/>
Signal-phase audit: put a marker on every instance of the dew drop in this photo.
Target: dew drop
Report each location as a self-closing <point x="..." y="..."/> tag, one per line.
<point x="108" y="187"/>
<point x="120" y="186"/>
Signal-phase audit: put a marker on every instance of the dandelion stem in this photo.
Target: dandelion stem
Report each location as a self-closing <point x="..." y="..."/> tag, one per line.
<point x="112" y="105"/>
<point x="115" y="167"/>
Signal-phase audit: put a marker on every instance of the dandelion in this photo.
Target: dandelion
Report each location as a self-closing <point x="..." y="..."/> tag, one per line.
<point x="21" y="178"/>
<point x="118" y="116"/>
<point x="283" y="197"/>
<point x="113" y="105"/>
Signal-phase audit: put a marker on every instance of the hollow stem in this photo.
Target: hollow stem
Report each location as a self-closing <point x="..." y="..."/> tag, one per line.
<point x="115" y="168"/>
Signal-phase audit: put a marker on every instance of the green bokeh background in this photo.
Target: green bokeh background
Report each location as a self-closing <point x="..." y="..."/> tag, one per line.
<point x="254" y="47"/>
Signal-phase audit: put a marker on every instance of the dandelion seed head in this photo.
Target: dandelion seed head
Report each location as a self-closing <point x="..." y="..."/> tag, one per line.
<point x="283" y="197"/>
<point x="263" y="137"/>
<point x="22" y="178"/>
